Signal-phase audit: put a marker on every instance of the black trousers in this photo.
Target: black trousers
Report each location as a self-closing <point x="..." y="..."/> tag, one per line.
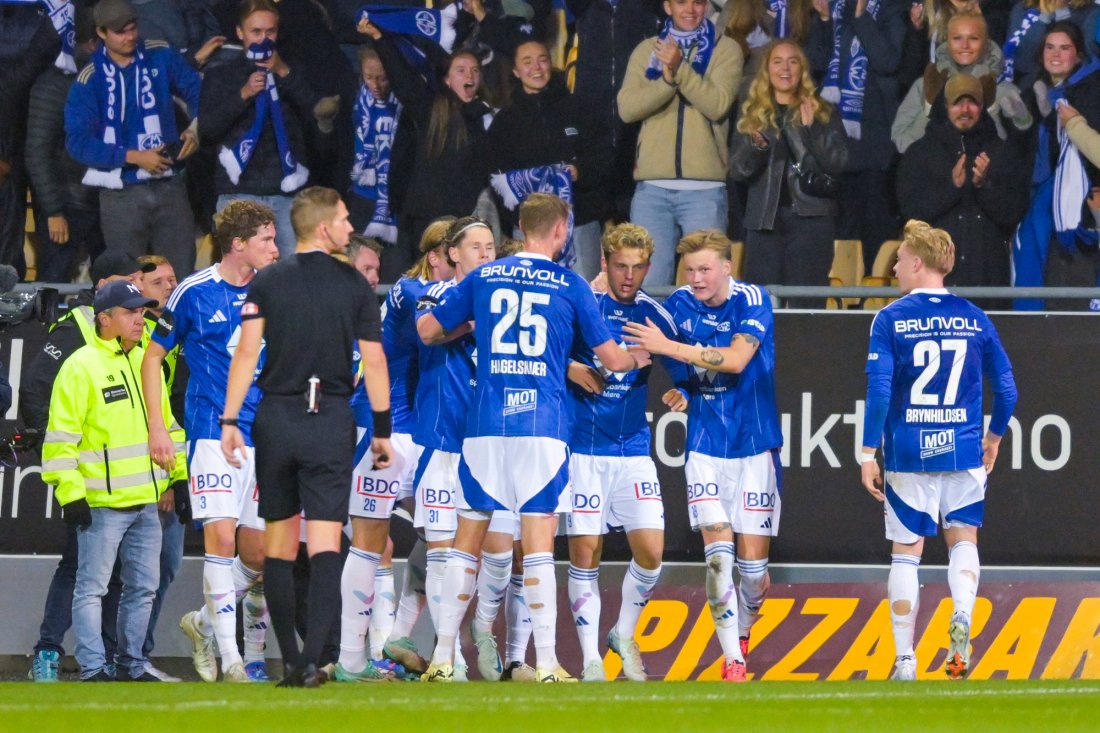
<point x="798" y="251"/>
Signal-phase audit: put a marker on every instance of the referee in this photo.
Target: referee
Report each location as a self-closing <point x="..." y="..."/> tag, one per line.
<point x="310" y="309"/>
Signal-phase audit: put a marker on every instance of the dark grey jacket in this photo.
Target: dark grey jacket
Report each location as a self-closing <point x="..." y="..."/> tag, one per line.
<point x="55" y="176"/>
<point x="821" y="147"/>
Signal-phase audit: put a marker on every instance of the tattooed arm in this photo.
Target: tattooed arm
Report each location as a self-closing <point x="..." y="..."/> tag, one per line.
<point x="733" y="358"/>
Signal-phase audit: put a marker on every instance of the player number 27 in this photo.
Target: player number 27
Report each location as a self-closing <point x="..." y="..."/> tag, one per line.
<point x="532" y="327"/>
<point x="927" y="354"/>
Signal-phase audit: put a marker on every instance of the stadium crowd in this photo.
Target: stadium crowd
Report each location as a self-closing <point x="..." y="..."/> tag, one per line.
<point x="416" y="143"/>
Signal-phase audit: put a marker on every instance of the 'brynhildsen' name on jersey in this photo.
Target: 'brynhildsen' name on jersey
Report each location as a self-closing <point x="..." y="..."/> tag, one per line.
<point x="527" y="310"/>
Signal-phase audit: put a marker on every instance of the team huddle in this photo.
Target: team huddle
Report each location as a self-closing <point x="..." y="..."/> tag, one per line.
<point x="517" y="395"/>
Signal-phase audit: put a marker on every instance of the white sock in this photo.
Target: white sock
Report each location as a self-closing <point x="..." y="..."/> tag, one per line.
<point x="519" y="622"/>
<point x="203" y="622"/>
<point x="963" y="572"/>
<point x="492" y="584"/>
<point x="221" y="605"/>
<point x="541" y="591"/>
<point x="638" y="584"/>
<point x="459" y="578"/>
<point x="356" y="601"/>
<point x="722" y="597"/>
<point x="584" y="601"/>
<point x="412" y="593"/>
<point x="903" y="592"/>
<point x="248" y="586"/>
<point x="754" y="588"/>
<point x="383" y="613"/>
<point x="433" y="583"/>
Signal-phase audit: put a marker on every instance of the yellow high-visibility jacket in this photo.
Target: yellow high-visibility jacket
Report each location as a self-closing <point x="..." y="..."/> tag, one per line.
<point x="97" y="440"/>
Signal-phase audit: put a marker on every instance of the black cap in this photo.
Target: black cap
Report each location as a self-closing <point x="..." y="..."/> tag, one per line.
<point x="113" y="262"/>
<point x="113" y="14"/>
<point x="120" y="293"/>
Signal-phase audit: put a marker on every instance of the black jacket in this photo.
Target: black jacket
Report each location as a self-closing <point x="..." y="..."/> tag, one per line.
<point x="447" y="184"/>
<point x="819" y="148"/>
<point x="37" y="385"/>
<point x="224" y="118"/>
<point x="980" y="220"/>
<point x="549" y="127"/>
<point x="882" y="40"/>
<point x="55" y="176"/>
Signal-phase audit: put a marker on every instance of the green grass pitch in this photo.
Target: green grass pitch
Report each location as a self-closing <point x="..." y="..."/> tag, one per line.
<point x="772" y="707"/>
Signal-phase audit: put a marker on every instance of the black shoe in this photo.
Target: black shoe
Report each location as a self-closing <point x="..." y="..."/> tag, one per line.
<point x="123" y="676"/>
<point x="100" y="676"/>
<point x="307" y="676"/>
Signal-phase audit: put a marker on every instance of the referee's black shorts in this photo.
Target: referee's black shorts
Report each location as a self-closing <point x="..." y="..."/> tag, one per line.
<point x="304" y="461"/>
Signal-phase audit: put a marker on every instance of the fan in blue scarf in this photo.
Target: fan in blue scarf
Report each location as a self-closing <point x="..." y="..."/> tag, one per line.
<point x="437" y="26"/>
<point x="236" y="159"/>
<point x="515" y="186"/>
<point x="375" y="126"/>
<point x="1012" y="44"/>
<point x="702" y="39"/>
<point x="782" y="24"/>
<point x="1058" y="196"/>
<point x="63" y="17"/>
<point x="844" y="87"/>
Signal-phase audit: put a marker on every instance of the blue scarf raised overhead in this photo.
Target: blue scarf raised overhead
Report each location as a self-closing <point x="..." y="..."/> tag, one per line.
<point x="111" y="88"/>
<point x="375" y="126"/>
<point x="782" y="23"/>
<point x="236" y="159"/>
<point x="1012" y="44"/>
<point x="702" y="39"/>
<point x="515" y="186"/>
<point x="844" y="87"/>
<point x="437" y="26"/>
<point x="63" y="18"/>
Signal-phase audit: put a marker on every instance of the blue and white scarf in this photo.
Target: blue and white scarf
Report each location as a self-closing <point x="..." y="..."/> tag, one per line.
<point x="236" y="159"/>
<point x="375" y="127"/>
<point x="782" y="24"/>
<point x="1012" y="44"/>
<point x="437" y="26"/>
<point x="515" y="186"/>
<point x="844" y="87"/>
<point x="702" y="39"/>
<point x="108" y="78"/>
<point x="63" y="17"/>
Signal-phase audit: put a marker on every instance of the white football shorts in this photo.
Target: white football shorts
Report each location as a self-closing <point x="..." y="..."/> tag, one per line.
<point x="914" y="501"/>
<point x="220" y="491"/>
<point x="744" y="492"/>
<point x="521" y="474"/>
<point x="612" y="491"/>
<point x="374" y="493"/>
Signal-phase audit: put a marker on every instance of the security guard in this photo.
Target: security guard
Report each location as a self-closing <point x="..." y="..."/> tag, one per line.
<point x="96" y="456"/>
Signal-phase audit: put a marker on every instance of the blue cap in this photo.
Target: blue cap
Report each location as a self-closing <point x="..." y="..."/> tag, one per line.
<point x="120" y="293"/>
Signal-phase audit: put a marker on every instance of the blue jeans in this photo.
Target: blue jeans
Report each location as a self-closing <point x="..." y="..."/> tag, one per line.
<point x="133" y="536"/>
<point x="586" y="243"/>
<point x="284" y="230"/>
<point x="668" y="214"/>
<point x="171" y="557"/>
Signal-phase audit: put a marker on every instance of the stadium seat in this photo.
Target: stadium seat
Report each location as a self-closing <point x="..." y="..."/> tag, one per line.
<point x="847" y="270"/>
<point x="882" y="273"/>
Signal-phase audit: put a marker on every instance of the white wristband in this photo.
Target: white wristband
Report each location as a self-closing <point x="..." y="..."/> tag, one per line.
<point x="866" y="457"/>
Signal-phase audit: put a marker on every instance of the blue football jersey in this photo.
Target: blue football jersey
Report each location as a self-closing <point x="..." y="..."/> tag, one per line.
<point x="448" y="376"/>
<point x="400" y="342"/>
<point x="934" y="347"/>
<point x="527" y="310"/>
<point x="206" y="319"/>
<point x="729" y="415"/>
<point x="613" y="423"/>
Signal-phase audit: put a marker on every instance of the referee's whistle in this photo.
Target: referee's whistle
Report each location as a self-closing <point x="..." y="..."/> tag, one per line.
<point x="313" y="398"/>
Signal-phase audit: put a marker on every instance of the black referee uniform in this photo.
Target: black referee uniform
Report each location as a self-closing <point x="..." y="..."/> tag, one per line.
<point x="314" y="309"/>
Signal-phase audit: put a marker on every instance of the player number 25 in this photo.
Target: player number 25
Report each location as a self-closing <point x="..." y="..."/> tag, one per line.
<point x="927" y="354"/>
<point x="532" y="326"/>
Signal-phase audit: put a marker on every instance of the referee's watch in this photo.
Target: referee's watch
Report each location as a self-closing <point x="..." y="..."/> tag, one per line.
<point x="227" y="421"/>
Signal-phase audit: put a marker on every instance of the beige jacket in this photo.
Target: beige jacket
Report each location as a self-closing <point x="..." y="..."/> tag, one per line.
<point x="685" y="126"/>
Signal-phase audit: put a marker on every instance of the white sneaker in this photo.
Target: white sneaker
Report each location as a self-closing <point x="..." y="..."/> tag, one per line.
<point x="488" y="655"/>
<point x="203" y="654"/>
<point x="633" y="666"/>
<point x="594" y="672"/>
<point x="160" y="674"/>
<point x="905" y="669"/>
<point x="461" y="673"/>
<point x="235" y="673"/>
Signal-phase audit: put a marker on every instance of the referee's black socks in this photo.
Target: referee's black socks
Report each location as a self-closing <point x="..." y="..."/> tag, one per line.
<point x="279" y="590"/>
<point x="325" y="569"/>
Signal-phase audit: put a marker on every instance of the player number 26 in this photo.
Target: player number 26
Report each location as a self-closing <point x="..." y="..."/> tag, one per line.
<point x="532" y="327"/>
